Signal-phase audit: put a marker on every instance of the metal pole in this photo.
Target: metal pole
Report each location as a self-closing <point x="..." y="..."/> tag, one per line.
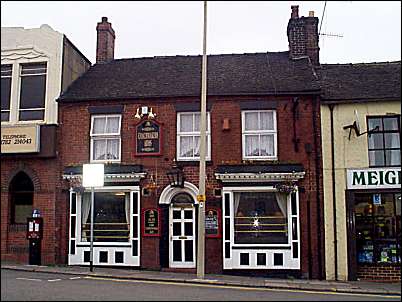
<point x="201" y="212"/>
<point x="91" y="259"/>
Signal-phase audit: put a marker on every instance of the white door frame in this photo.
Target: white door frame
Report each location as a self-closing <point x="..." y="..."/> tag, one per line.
<point x="182" y="237"/>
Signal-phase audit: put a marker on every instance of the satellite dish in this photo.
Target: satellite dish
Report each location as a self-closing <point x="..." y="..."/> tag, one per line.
<point x="357" y="123"/>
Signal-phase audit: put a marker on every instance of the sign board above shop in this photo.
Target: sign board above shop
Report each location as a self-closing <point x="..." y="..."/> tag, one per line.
<point x="20" y="139"/>
<point x="148" y="138"/>
<point x="374" y="178"/>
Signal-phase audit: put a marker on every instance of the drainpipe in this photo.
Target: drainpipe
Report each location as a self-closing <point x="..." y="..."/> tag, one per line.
<point x="331" y="109"/>
<point x="317" y="184"/>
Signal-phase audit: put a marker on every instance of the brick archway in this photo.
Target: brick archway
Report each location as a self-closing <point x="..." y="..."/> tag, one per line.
<point x="28" y="171"/>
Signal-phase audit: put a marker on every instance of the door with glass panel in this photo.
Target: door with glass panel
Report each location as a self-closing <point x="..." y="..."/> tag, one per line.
<point x="182" y="236"/>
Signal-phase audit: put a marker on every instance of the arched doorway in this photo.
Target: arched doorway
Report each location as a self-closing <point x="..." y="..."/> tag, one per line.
<point x="182" y="231"/>
<point x="182" y="224"/>
<point x="21" y="198"/>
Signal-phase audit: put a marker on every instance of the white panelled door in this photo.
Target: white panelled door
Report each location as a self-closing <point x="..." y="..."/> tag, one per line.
<point x="182" y="236"/>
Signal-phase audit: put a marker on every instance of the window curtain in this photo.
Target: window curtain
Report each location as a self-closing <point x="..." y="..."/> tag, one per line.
<point x="236" y="203"/>
<point x="85" y="208"/>
<point x="252" y="147"/>
<point x="112" y="148"/>
<point x="251" y="121"/>
<point x="267" y="121"/>
<point x="186" y="146"/>
<point x="127" y="207"/>
<point x="197" y="144"/>
<point x="99" y="149"/>
<point x="112" y="125"/>
<point x="267" y="145"/>
<point x="99" y="125"/>
<point x="281" y="199"/>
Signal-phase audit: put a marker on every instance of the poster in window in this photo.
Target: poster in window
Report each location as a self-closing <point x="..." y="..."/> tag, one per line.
<point x="151" y="222"/>
<point x="148" y="138"/>
<point x="212" y="223"/>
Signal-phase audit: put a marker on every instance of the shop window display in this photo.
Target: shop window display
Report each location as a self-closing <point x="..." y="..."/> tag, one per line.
<point x="111" y="217"/>
<point x="378" y="219"/>
<point x="261" y="218"/>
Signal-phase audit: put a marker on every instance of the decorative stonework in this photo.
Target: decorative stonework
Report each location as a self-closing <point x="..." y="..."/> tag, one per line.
<point x="27" y="52"/>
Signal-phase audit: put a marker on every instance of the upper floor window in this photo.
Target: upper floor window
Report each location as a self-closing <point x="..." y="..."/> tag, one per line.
<point x="105" y="138"/>
<point x="259" y="135"/>
<point x="32" y="91"/>
<point x="188" y="136"/>
<point x="384" y="143"/>
<point x="6" y="75"/>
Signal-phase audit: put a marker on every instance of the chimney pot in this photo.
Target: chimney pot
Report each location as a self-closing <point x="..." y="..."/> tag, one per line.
<point x="104" y="19"/>
<point x="311" y="13"/>
<point x="295" y="12"/>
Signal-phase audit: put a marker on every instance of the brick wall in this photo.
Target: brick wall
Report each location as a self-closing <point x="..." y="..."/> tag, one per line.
<point x="45" y="176"/>
<point x="383" y="273"/>
<point x="226" y="148"/>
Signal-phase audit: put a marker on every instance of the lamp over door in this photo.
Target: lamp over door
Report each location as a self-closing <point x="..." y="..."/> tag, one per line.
<point x="176" y="176"/>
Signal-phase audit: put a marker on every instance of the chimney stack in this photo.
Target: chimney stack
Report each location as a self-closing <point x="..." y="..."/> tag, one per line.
<point x="295" y="12"/>
<point x="303" y="36"/>
<point x="105" y="41"/>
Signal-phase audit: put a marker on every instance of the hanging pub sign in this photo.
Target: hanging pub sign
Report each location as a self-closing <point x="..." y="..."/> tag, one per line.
<point x="212" y="225"/>
<point x="148" y="138"/>
<point x="151" y="222"/>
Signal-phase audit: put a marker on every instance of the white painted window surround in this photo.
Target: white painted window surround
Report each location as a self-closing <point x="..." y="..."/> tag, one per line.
<point x="259" y="134"/>
<point x="188" y="136"/>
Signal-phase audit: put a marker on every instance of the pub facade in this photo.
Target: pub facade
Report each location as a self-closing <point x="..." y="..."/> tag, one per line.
<point x="140" y="118"/>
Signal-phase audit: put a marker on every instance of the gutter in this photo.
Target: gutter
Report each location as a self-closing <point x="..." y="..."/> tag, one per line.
<point x="331" y="109"/>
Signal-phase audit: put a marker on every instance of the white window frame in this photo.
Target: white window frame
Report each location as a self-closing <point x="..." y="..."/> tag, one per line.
<point x="259" y="132"/>
<point x="192" y="134"/>
<point x="104" y="136"/>
<point x="252" y="249"/>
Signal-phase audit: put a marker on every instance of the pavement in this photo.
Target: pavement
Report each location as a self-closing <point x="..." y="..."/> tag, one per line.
<point x="362" y="287"/>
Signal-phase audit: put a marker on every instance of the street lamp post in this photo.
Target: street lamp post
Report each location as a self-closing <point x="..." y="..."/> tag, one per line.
<point x="92" y="176"/>
<point x="201" y="197"/>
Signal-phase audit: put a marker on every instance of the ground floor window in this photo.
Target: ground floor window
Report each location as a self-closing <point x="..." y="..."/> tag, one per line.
<point x="378" y="228"/>
<point x="260" y="218"/>
<point x="260" y="228"/>
<point x="111" y="217"/>
<point x="22" y="191"/>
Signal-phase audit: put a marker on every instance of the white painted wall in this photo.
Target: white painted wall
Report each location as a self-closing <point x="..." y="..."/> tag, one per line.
<point x="19" y="45"/>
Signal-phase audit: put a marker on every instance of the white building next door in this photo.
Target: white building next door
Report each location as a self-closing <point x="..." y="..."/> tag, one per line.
<point x="182" y="236"/>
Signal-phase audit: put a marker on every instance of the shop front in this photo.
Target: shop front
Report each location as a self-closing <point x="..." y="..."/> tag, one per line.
<point x="116" y="231"/>
<point x="260" y="210"/>
<point x="373" y="200"/>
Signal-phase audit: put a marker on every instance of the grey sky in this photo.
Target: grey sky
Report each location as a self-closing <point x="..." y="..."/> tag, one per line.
<point x="371" y="30"/>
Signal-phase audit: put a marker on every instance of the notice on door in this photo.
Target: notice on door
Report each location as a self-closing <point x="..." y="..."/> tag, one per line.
<point x="20" y="139"/>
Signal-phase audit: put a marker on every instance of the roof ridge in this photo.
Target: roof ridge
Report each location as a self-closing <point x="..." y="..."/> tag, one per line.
<point x="363" y="63"/>
<point x="199" y="55"/>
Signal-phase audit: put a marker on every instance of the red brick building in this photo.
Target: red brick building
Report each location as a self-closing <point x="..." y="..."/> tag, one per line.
<point x="140" y="117"/>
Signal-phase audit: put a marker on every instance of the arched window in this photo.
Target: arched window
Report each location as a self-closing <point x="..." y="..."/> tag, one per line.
<point x="182" y="198"/>
<point x="21" y="190"/>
